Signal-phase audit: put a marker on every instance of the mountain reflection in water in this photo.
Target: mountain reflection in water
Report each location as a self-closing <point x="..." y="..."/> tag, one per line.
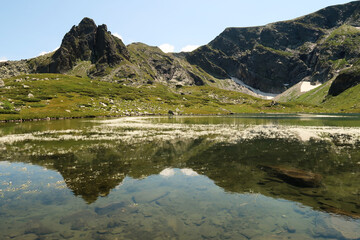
<point x="237" y="159"/>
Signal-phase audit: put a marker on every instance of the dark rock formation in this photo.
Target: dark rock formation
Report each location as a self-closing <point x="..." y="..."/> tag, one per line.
<point x="344" y="81"/>
<point x="87" y="42"/>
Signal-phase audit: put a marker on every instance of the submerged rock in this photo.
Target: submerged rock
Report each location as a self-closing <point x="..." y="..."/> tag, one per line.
<point x="109" y="208"/>
<point x="29" y="236"/>
<point x="335" y="228"/>
<point x="78" y="220"/>
<point x="38" y="228"/>
<point x="348" y="230"/>
<point x="149" y="196"/>
<point x="66" y="235"/>
<point x="295" y="176"/>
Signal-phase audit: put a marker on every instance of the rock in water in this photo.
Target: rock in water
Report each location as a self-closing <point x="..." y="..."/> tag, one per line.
<point x="349" y="230"/>
<point x="29" y="236"/>
<point x="109" y="208"/>
<point x="294" y="176"/>
<point x="77" y="217"/>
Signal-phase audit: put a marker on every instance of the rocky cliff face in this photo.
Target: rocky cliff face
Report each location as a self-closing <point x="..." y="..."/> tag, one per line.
<point x="276" y="56"/>
<point x="86" y="42"/>
<point x="149" y="64"/>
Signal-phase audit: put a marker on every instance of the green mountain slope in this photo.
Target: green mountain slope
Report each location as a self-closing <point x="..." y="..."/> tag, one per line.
<point x="40" y="96"/>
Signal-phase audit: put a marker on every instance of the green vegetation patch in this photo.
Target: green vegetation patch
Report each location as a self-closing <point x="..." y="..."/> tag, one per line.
<point x="345" y="35"/>
<point x="278" y="52"/>
<point x="58" y="96"/>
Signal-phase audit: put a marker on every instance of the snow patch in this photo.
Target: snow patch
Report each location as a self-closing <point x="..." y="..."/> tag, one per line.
<point x="307" y="86"/>
<point x="256" y="91"/>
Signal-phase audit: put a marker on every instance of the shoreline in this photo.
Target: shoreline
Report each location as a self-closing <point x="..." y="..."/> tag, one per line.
<point x="170" y="115"/>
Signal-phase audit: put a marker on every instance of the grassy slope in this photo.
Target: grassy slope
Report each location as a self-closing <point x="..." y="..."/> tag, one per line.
<point x="56" y="96"/>
<point x="348" y="101"/>
<point x="315" y="96"/>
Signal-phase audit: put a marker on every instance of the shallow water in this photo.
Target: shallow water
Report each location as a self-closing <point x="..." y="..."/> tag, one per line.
<point x="181" y="178"/>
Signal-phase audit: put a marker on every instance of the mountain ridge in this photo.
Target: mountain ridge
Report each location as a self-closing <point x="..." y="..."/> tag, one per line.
<point x="265" y="60"/>
<point x="270" y="56"/>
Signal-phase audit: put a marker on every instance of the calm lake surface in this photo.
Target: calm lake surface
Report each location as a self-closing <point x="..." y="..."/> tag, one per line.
<point x="210" y="177"/>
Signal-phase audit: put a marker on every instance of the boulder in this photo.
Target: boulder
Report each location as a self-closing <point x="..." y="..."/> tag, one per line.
<point x="296" y="177"/>
<point x="110" y="208"/>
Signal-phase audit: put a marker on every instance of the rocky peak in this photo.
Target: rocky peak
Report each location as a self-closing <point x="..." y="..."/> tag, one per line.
<point x="87" y="42"/>
<point x="87" y="25"/>
<point x="107" y="48"/>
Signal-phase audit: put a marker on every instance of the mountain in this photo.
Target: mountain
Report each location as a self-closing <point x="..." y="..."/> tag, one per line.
<point x="270" y="58"/>
<point x="279" y="55"/>
<point x="275" y="60"/>
<point x="92" y="51"/>
<point x="86" y="42"/>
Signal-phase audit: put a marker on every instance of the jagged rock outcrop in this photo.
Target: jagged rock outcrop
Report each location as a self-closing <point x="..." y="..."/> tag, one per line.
<point x="150" y="64"/>
<point x="13" y="68"/>
<point x="87" y="42"/>
<point x="279" y="55"/>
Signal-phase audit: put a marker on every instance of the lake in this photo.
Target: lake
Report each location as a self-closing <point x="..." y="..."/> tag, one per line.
<point x="183" y="177"/>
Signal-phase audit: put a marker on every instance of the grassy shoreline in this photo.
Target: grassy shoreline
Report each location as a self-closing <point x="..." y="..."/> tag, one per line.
<point x="57" y="96"/>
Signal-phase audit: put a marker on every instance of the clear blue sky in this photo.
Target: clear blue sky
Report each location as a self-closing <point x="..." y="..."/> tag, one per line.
<point x="31" y="27"/>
